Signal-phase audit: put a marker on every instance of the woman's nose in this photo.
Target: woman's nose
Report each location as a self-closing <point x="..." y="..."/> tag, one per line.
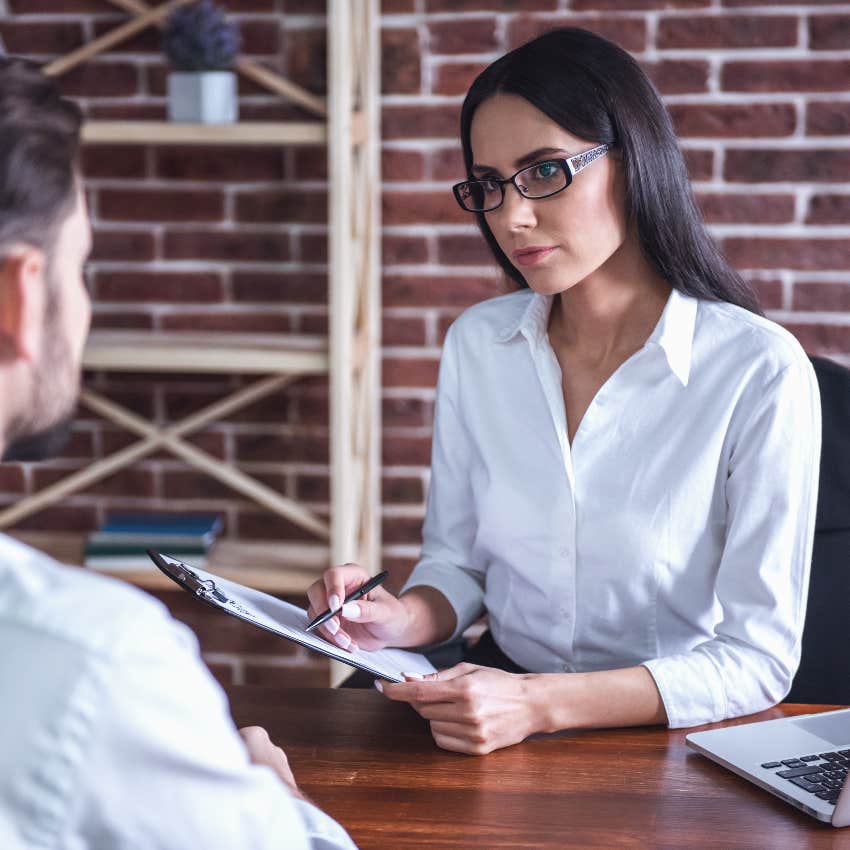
<point x="517" y="211"/>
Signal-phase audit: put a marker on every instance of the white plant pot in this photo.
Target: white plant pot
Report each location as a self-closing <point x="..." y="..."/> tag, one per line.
<point x="203" y="97"/>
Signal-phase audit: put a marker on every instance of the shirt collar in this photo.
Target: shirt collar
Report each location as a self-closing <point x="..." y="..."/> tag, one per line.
<point x="674" y="332"/>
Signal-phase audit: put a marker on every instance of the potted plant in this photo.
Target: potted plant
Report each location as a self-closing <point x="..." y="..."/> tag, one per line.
<point x="201" y="46"/>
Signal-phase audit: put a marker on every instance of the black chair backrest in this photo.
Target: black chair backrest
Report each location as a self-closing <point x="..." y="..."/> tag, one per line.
<point x="824" y="673"/>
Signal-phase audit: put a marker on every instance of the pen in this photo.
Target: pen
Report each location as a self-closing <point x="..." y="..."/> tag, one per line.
<point x="357" y="594"/>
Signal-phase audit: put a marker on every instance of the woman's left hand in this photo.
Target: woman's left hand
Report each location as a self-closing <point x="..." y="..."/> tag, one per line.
<point x="472" y="709"/>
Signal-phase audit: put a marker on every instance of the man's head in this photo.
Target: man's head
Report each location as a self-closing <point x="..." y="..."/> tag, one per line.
<point x="44" y="242"/>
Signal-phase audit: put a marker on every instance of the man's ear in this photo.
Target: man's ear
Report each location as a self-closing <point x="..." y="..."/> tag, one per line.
<point x="22" y="303"/>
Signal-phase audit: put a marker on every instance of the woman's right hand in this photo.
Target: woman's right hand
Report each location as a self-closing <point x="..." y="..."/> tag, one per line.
<point x="374" y="621"/>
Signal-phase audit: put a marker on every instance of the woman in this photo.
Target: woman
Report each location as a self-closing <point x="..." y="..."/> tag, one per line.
<point x="625" y="454"/>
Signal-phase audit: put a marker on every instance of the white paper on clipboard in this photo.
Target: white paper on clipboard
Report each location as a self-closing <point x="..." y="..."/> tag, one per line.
<point x="282" y="618"/>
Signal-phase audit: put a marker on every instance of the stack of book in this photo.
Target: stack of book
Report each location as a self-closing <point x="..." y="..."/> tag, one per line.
<point x="121" y="543"/>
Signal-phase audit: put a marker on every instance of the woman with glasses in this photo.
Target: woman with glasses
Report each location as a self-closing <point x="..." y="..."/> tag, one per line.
<point x="625" y="455"/>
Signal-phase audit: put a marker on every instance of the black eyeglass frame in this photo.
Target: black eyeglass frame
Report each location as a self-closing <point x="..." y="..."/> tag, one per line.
<point x="570" y="166"/>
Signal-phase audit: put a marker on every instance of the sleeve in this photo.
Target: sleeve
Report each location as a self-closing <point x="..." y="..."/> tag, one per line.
<point x="762" y="580"/>
<point x="167" y="767"/>
<point x="449" y="529"/>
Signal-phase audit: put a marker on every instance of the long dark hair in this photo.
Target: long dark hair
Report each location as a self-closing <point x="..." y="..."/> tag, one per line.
<point x="596" y="91"/>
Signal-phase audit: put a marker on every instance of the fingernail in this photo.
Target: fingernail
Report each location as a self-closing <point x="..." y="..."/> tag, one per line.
<point x="332" y="626"/>
<point x="379" y="686"/>
<point x="351" y="610"/>
<point x="414" y="675"/>
<point x="333" y="602"/>
<point x="342" y="640"/>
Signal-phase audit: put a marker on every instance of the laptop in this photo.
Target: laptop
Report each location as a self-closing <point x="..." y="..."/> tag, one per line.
<point x="803" y="760"/>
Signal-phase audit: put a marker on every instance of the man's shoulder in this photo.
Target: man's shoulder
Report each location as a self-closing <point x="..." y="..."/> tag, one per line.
<point x="93" y="612"/>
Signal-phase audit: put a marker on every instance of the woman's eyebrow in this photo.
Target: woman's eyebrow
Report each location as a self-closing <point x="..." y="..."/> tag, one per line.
<point x="527" y="159"/>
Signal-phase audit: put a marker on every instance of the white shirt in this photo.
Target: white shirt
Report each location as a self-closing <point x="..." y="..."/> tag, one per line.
<point x="114" y="735"/>
<point x="675" y="532"/>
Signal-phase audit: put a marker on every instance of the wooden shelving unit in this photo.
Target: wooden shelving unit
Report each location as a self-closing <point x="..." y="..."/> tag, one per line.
<point x="347" y="122"/>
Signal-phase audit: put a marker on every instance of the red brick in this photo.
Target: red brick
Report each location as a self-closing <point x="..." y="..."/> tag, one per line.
<point x="282" y="205"/>
<point x="280" y="287"/>
<point x="11" y="478"/>
<point x="829" y="209"/>
<point x="455" y="78"/>
<point x="57" y="7"/>
<point x="308" y="163"/>
<point x="804" y="254"/>
<point x="770" y="293"/>
<point x="819" y="295"/>
<point x="220" y="164"/>
<point x="268" y="323"/>
<point x="227" y="245"/>
<point x="700" y="163"/>
<point x="447" y="164"/>
<point x="788" y="75"/>
<point x="406" y="451"/>
<point x="180" y="287"/>
<point x="627" y="5"/>
<point x="184" y="484"/>
<point x="314" y="675"/>
<point x="127" y="111"/>
<point x="732" y="3"/>
<point x="829" y="32"/>
<point x="137" y="400"/>
<point x="420" y="122"/>
<point x="61" y="518"/>
<point x="490" y="5"/>
<point x="409" y="371"/>
<point x="733" y="119"/>
<point x="268" y="526"/>
<point x="306" y="58"/>
<point x="139" y="482"/>
<point x="132" y="204"/>
<point x="403" y="249"/>
<point x="739" y="208"/>
<point x="287" y="448"/>
<point x="401" y="530"/>
<point x="397" y="7"/>
<point x="421" y="207"/>
<point x="223" y="673"/>
<point x="115" y="161"/>
<point x="629" y="33"/>
<point x="274" y="408"/>
<point x="104" y="320"/>
<point x="133" y="245"/>
<point x="402" y="490"/>
<point x="402" y="165"/>
<point x="726" y="31"/>
<point x="406" y="412"/>
<point x="755" y="166"/>
<point x="401" y="71"/>
<point x="101" y="79"/>
<point x="399" y="569"/>
<point x="313" y="488"/>
<point x="403" y="331"/>
<point x="828" y="118"/>
<point x="147" y="41"/>
<point x="822" y="339"/>
<point x="431" y="291"/>
<point x="464" y="250"/>
<point x="57" y="37"/>
<point x="475" y="35"/>
<point x="678" y="76"/>
<point x="210" y="442"/>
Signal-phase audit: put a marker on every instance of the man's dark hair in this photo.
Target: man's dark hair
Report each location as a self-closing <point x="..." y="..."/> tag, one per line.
<point x="596" y="91"/>
<point x="39" y="147"/>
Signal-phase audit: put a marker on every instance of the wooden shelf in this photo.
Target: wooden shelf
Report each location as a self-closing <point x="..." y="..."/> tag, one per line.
<point x="278" y="568"/>
<point x="229" y="353"/>
<point x="240" y="133"/>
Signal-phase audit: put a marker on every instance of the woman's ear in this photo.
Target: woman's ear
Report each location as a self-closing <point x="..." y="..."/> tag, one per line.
<point x="23" y="299"/>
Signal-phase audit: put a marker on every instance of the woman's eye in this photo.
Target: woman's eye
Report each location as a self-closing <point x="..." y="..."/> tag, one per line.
<point x="546" y="170"/>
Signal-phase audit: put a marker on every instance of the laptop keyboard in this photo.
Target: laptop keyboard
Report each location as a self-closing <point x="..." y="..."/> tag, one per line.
<point x="822" y="774"/>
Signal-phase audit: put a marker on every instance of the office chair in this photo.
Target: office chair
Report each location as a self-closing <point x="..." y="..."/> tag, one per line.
<point x="824" y="672"/>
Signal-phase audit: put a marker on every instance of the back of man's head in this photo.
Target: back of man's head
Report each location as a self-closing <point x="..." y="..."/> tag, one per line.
<point x="39" y="145"/>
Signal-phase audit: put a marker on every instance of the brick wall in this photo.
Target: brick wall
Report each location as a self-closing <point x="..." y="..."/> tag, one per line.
<point x="235" y="239"/>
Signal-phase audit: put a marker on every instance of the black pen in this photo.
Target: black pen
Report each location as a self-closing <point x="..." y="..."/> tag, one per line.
<point x="357" y="594"/>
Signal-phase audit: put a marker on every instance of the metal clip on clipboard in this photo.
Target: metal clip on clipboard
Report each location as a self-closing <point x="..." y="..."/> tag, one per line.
<point x="205" y="588"/>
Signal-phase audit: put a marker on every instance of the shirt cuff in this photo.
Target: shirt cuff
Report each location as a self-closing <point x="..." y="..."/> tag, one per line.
<point x="691" y="689"/>
<point x="463" y="591"/>
<point x="323" y="832"/>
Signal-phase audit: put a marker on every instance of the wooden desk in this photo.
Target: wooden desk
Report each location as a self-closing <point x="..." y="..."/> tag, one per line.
<point x="372" y="764"/>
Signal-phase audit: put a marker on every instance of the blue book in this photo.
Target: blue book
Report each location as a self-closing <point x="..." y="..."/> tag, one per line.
<point x="146" y="526"/>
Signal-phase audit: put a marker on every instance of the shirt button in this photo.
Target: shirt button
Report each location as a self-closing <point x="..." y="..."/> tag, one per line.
<point x="568" y="668"/>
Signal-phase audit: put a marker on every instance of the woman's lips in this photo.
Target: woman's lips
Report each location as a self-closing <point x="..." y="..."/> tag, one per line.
<point x="530" y="256"/>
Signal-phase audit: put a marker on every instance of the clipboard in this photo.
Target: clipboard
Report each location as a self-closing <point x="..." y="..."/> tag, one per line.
<point x="284" y="619"/>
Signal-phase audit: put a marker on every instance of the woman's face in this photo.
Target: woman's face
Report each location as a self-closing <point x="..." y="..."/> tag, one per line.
<point x="580" y="227"/>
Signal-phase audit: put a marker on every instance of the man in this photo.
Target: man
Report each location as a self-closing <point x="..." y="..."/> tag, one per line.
<point x="113" y="734"/>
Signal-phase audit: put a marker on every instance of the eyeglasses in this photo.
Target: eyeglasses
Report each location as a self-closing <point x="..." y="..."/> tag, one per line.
<point x="542" y="180"/>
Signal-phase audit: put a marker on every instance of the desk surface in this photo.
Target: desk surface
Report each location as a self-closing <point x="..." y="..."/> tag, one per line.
<point x="372" y="764"/>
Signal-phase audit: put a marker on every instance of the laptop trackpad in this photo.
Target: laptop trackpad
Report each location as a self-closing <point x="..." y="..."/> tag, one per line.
<point x="834" y="728"/>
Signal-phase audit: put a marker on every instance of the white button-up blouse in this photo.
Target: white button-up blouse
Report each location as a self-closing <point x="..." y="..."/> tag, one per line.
<point x="675" y="532"/>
